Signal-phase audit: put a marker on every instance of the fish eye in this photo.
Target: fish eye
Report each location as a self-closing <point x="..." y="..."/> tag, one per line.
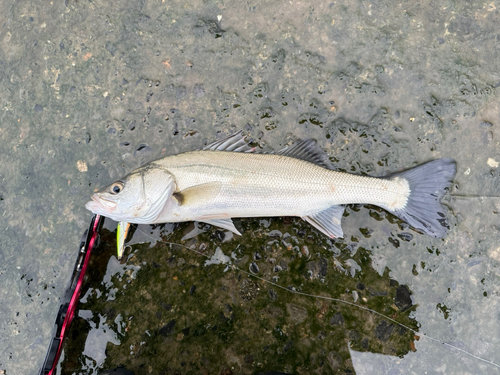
<point x="116" y="187"/>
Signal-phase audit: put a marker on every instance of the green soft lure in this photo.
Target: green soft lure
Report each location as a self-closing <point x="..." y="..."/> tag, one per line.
<point x="121" y="235"/>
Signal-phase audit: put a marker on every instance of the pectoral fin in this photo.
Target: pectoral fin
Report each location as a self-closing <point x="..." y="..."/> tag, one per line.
<point x="199" y="194"/>
<point x="223" y="223"/>
<point x="327" y="221"/>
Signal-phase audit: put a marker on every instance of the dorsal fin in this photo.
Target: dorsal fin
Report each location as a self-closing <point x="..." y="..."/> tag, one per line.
<point x="236" y="142"/>
<point x="307" y="150"/>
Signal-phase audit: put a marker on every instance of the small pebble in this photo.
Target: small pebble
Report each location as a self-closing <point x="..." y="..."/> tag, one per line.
<point x="254" y="268"/>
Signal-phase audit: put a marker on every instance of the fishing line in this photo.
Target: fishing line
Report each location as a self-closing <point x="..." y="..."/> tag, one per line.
<point x="294" y="291"/>
<point x="473" y="196"/>
<point x="372" y="311"/>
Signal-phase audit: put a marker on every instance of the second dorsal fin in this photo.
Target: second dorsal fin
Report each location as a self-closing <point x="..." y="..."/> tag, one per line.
<point x="307" y="150"/>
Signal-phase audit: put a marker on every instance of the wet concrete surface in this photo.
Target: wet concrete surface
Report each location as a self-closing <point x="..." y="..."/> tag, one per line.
<point x="91" y="90"/>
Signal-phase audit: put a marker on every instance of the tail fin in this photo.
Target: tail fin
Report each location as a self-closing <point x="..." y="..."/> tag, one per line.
<point x="428" y="183"/>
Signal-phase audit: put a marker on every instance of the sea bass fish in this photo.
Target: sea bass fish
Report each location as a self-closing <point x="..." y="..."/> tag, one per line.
<point x="227" y="179"/>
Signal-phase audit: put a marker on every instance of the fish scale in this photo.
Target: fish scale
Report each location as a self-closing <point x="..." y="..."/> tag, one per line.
<point x="278" y="185"/>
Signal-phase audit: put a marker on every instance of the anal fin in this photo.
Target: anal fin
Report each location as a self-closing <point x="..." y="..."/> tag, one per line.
<point x="222" y="223"/>
<point x="327" y="221"/>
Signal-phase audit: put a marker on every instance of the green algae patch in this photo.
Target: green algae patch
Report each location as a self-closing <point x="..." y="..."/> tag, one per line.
<point x="278" y="306"/>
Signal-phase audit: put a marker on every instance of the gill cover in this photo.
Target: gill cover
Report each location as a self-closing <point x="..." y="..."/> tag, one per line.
<point x="137" y="198"/>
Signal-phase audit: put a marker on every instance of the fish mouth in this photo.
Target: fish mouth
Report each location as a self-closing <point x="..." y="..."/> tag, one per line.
<point x="100" y="205"/>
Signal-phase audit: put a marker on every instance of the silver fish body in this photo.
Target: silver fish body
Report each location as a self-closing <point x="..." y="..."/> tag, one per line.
<point x="215" y="185"/>
<point x="256" y="185"/>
